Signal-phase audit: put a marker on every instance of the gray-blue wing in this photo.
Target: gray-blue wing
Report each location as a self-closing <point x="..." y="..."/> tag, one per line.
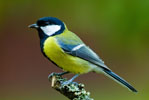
<point x="84" y="52"/>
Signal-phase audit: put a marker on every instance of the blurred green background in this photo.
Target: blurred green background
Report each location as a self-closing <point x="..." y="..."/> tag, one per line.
<point x="118" y="30"/>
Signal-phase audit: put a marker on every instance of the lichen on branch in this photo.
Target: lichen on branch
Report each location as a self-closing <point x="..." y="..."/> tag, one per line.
<point x="73" y="90"/>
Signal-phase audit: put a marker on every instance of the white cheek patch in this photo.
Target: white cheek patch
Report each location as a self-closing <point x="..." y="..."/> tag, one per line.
<point x="50" y="29"/>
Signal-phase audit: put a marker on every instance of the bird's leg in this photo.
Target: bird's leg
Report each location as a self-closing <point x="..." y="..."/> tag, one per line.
<point x="69" y="81"/>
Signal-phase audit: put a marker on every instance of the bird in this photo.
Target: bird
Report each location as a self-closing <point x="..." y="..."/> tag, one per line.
<point x="67" y="51"/>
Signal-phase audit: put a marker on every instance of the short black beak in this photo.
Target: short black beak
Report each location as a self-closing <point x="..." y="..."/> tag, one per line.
<point x="33" y="26"/>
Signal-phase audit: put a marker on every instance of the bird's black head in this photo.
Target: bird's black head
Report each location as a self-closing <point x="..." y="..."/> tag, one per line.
<point x="49" y="21"/>
<point x="48" y="26"/>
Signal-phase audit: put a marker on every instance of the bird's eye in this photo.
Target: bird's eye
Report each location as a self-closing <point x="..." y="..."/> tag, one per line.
<point x="43" y="23"/>
<point x="47" y="23"/>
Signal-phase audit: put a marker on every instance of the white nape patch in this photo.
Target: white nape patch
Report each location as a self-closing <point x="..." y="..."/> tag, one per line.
<point x="50" y="29"/>
<point x="78" y="47"/>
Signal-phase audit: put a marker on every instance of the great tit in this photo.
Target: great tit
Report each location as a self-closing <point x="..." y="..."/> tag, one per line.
<point x="69" y="52"/>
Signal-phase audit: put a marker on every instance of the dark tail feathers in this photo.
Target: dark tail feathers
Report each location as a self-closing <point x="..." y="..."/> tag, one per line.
<point x="119" y="79"/>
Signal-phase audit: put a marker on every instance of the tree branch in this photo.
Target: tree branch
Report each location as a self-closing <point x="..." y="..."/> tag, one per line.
<point x="73" y="91"/>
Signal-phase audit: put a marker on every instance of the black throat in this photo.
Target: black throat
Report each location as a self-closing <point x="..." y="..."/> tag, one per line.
<point x="42" y="37"/>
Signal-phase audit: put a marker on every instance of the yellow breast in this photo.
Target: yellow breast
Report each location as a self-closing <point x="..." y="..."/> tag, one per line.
<point x="67" y="62"/>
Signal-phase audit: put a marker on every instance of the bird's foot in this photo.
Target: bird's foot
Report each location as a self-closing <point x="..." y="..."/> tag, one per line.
<point x="66" y="83"/>
<point x="56" y="74"/>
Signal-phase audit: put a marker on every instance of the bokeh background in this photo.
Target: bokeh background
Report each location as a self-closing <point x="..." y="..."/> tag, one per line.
<point x="118" y="30"/>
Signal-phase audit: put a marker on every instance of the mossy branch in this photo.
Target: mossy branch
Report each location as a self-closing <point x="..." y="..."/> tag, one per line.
<point x="73" y="91"/>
